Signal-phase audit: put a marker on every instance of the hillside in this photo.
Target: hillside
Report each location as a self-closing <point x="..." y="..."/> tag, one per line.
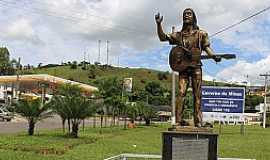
<point x="140" y="75"/>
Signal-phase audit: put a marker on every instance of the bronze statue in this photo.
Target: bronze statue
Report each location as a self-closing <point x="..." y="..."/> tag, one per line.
<point x="185" y="58"/>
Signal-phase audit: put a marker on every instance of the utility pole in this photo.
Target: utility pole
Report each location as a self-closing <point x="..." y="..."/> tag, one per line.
<point x="173" y="92"/>
<point x="118" y="61"/>
<point x="18" y="78"/>
<point x="248" y="86"/>
<point x="108" y="52"/>
<point x="99" y="43"/>
<point x="265" y="92"/>
<point x="84" y="54"/>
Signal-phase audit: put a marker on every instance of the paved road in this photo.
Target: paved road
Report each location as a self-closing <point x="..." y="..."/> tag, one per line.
<point x="20" y="125"/>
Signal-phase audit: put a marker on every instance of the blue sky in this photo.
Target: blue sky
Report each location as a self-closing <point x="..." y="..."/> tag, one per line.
<point x="52" y="31"/>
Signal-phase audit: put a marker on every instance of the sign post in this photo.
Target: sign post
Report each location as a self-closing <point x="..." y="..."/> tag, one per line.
<point x="223" y="104"/>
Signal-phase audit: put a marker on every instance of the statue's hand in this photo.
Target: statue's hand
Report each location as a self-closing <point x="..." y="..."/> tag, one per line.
<point x="158" y="18"/>
<point x="217" y="58"/>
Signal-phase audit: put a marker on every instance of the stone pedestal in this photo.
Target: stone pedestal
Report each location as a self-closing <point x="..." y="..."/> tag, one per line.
<point x="189" y="143"/>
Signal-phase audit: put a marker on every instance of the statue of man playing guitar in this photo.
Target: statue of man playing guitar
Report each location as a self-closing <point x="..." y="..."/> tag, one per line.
<point x="185" y="58"/>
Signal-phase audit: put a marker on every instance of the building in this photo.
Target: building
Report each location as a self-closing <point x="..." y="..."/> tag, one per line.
<point x="35" y="85"/>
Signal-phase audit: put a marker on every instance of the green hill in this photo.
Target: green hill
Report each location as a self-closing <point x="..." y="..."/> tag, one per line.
<point x="140" y="75"/>
<point x="93" y="72"/>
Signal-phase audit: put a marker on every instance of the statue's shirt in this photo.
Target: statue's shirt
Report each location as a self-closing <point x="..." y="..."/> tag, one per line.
<point x="196" y="39"/>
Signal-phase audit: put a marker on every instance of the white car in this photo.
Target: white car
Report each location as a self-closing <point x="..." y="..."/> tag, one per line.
<point x="5" y="114"/>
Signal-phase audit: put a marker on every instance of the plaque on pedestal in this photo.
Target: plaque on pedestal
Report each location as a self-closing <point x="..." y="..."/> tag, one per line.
<point x="187" y="143"/>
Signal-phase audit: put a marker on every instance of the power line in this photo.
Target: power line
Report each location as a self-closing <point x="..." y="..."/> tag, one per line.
<point x="237" y="23"/>
<point x="241" y="21"/>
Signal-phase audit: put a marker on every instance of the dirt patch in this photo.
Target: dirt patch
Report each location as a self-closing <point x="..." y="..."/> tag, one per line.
<point x="46" y="150"/>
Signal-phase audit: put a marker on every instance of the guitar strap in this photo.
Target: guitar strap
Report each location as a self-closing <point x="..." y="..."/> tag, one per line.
<point x="182" y="41"/>
<point x="199" y="40"/>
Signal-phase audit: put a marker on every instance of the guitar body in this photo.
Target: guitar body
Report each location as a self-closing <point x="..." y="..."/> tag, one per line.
<point x="181" y="58"/>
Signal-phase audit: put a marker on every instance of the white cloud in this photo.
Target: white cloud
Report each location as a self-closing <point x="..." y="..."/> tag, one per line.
<point x="131" y="23"/>
<point x="20" y="30"/>
<point x="245" y="71"/>
<point x="207" y="77"/>
<point x="69" y="27"/>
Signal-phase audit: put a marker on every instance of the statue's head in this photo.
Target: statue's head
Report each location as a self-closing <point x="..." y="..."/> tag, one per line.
<point x="189" y="17"/>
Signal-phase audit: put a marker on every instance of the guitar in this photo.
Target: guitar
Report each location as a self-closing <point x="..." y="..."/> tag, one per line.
<point x="181" y="58"/>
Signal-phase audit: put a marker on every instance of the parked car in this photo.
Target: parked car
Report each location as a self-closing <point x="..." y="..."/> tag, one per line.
<point x="5" y="115"/>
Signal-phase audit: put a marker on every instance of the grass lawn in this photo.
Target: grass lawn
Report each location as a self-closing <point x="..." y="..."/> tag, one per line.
<point x="91" y="145"/>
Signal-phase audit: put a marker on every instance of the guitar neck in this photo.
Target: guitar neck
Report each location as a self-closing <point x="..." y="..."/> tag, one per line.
<point x="224" y="56"/>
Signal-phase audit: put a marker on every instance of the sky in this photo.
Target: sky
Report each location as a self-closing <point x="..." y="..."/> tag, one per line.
<point x="50" y="31"/>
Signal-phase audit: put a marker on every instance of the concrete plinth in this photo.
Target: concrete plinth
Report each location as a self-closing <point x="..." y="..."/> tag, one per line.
<point x="188" y="143"/>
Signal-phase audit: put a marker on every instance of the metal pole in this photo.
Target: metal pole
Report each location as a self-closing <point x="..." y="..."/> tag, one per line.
<point x="173" y="98"/>
<point x="84" y="59"/>
<point x="173" y="91"/>
<point x="264" y="110"/>
<point x="42" y="95"/>
<point x="99" y="43"/>
<point x="107" y="52"/>
<point x="125" y="114"/>
<point x="265" y="92"/>
<point x="118" y="61"/>
<point x="18" y="79"/>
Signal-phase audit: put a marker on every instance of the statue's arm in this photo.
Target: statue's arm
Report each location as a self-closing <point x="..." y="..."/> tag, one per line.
<point x="206" y="47"/>
<point x="161" y="35"/>
<point x="209" y="51"/>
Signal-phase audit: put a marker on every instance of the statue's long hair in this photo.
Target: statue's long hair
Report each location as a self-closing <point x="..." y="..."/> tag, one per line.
<point x="194" y="24"/>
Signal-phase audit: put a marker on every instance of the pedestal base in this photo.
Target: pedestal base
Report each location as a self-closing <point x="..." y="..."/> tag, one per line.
<point x="188" y="143"/>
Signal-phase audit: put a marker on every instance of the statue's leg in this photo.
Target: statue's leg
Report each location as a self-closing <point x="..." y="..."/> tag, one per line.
<point x="196" y="89"/>
<point x="183" y="85"/>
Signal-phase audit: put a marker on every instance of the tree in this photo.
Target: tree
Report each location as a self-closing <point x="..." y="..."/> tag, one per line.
<point x="253" y="100"/>
<point x="154" y="88"/>
<point x="79" y="109"/>
<point x="74" y="65"/>
<point x="109" y="87"/>
<point x="162" y="75"/>
<point x="5" y="65"/>
<point x="156" y="93"/>
<point x="39" y="65"/>
<point x="4" y="56"/>
<point x="33" y="111"/>
<point x="59" y="108"/>
<point x="92" y="72"/>
<point x="70" y="105"/>
<point x="132" y="111"/>
<point x="146" y="111"/>
<point x="114" y="106"/>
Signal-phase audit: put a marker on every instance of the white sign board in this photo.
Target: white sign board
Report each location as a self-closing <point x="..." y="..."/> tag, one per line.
<point x="127" y="85"/>
<point x="223" y="104"/>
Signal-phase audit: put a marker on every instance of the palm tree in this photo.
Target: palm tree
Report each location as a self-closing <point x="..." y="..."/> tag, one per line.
<point x="113" y="106"/>
<point x="58" y="103"/>
<point x="33" y="111"/>
<point x="72" y="106"/>
<point x="60" y="109"/>
<point x="132" y="111"/>
<point x="79" y="109"/>
<point x="146" y="111"/>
